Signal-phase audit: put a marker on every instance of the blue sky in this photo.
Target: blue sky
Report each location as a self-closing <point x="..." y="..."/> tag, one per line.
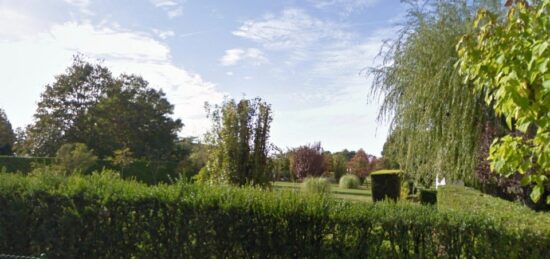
<point x="304" y="57"/>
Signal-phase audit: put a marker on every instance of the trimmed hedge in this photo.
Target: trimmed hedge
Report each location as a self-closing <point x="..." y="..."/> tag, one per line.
<point x="511" y="214"/>
<point x="100" y="216"/>
<point x="150" y="172"/>
<point x="428" y="196"/>
<point x="385" y="184"/>
<point x="22" y="164"/>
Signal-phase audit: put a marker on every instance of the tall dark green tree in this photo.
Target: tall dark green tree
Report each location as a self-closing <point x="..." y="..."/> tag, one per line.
<point x="88" y="105"/>
<point x="7" y="136"/>
<point x="239" y="143"/>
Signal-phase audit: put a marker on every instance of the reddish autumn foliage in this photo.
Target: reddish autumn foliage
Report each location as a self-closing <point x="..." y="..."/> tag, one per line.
<point x="307" y="160"/>
<point x="362" y="164"/>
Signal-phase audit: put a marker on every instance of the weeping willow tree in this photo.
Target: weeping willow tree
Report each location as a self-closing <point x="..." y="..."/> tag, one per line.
<point x="436" y="119"/>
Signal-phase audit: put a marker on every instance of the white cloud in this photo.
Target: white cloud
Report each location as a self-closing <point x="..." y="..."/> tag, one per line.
<point x="292" y="29"/>
<point x="15" y="24"/>
<point x="229" y="73"/>
<point x="171" y="7"/>
<point x="164" y="34"/>
<point x="82" y="5"/>
<point x="122" y="51"/>
<point x="346" y="6"/>
<point x="175" y="12"/>
<point x="165" y="3"/>
<point x="233" y="56"/>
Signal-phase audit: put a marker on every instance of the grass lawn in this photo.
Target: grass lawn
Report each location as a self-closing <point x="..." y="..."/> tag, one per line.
<point x="362" y="194"/>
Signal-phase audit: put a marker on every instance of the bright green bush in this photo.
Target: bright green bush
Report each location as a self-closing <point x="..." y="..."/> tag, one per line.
<point x="385" y="184"/>
<point x="512" y="214"/>
<point x="349" y="181"/>
<point x="428" y="196"/>
<point x="102" y="216"/>
<point x="318" y="185"/>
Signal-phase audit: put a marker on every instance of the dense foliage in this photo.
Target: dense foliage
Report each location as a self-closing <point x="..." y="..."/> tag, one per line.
<point x="318" y="185"/>
<point x="74" y="158"/>
<point x="508" y="62"/>
<point x="307" y="160"/>
<point x="280" y="165"/>
<point x="511" y="214"/>
<point x="427" y="196"/>
<point x="7" y="136"/>
<point x="349" y="181"/>
<point x="386" y="184"/>
<point x="149" y="172"/>
<point x="436" y="118"/>
<point x="362" y="164"/>
<point x="101" y="216"/>
<point x="239" y="143"/>
<point x="88" y="105"/>
<point x="339" y="165"/>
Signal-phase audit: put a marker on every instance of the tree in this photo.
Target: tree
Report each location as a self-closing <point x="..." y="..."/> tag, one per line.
<point x="192" y="155"/>
<point x="135" y="116"/>
<point x="362" y="164"/>
<point x="239" y="143"/>
<point x="439" y="119"/>
<point x="339" y="165"/>
<point x="327" y="161"/>
<point x="308" y="160"/>
<point x="507" y="61"/>
<point x="280" y="165"/>
<point x="122" y="158"/>
<point x="87" y="105"/>
<point x="74" y="158"/>
<point x="7" y="136"/>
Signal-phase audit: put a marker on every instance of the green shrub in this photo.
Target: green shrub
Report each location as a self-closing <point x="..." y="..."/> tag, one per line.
<point x="349" y="181"/>
<point x="385" y="184"/>
<point x="512" y="214"/>
<point x="102" y="216"/>
<point x="74" y="158"/>
<point x="150" y="172"/>
<point x="330" y="176"/>
<point x="319" y="185"/>
<point x="428" y="196"/>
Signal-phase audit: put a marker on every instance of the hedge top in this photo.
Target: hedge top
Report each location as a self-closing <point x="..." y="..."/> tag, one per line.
<point x="511" y="214"/>
<point x="386" y="171"/>
<point x="101" y="215"/>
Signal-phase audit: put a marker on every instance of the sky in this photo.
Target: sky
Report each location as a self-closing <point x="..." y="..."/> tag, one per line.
<point x="307" y="58"/>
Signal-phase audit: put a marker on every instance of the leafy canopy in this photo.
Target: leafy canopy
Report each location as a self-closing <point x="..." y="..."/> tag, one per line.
<point x="437" y="120"/>
<point x="88" y="105"/>
<point x="508" y="61"/>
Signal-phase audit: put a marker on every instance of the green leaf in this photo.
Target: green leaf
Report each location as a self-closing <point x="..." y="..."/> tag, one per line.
<point x="536" y="193"/>
<point x="525" y="180"/>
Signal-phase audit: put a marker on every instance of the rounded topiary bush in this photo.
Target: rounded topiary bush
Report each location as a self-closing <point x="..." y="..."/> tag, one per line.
<point x="316" y="185"/>
<point x="385" y="184"/>
<point x="349" y="181"/>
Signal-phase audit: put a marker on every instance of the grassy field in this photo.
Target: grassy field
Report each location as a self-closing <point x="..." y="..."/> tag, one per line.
<point x="362" y="194"/>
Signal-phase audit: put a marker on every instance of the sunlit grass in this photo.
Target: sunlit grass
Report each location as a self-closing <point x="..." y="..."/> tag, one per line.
<point x="363" y="193"/>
